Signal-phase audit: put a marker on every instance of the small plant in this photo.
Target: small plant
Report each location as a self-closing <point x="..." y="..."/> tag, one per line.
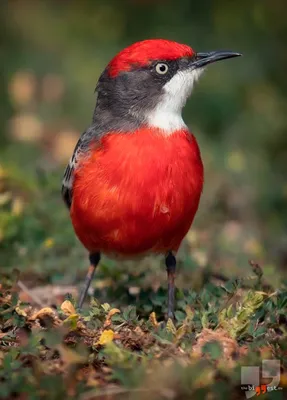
<point x="48" y="353"/>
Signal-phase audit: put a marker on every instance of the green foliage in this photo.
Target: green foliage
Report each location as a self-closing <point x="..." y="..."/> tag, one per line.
<point x="237" y="321"/>
<point x="213" y="349"/>
<point x="107" y="346"/>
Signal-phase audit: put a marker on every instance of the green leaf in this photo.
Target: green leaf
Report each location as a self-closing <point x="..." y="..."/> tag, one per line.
<point x="170" y="326"/>
<point x="204" y="320"/>
<point x="106" y="307"/>
<point x="212" y="349"/>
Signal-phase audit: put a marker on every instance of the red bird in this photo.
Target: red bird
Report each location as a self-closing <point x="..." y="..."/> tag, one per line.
<point x="135" y="179"/>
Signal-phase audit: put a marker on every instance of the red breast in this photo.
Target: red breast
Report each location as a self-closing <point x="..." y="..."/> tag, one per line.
<point x="138" y="192"/>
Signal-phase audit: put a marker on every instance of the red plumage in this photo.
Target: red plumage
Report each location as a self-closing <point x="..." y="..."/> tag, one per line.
<point x="129" y="200"/>
<point x="146" y="51"/>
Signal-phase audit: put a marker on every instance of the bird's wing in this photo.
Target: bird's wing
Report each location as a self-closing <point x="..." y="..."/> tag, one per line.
<point x="81" y="148"/>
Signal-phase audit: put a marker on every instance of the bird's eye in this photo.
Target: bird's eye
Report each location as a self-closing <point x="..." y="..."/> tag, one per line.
<point x="161" y="68"/>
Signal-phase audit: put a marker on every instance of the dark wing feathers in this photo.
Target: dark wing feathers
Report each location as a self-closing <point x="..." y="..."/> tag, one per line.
<point x="81" y="148"/>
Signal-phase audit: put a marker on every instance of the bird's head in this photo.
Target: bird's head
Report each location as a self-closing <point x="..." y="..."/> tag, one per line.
<point x="151" y="80"/>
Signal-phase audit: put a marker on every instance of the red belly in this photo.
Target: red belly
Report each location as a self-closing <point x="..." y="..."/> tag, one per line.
<point x="136" y="193"/>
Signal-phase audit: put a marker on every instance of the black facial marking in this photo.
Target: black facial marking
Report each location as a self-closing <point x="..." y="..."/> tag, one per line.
<point x="133" y="93"/>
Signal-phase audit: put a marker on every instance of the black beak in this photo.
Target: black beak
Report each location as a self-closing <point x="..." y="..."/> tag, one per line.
<point x="202" y="59"/>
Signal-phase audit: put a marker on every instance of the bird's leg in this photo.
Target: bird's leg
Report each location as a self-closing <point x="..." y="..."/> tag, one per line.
<point x="170" y="262"/>
<point x="94" y="260"/>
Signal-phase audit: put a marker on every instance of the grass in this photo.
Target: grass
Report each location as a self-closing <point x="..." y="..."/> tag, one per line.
<point x="106" y="352"/>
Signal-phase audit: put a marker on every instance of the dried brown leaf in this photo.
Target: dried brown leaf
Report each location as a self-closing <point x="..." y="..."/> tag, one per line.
<point x="112" y="312"/>
<point x="68" y="308"/>
<point x="44" y="312"/>
<point x="20" y="312"/>
<point x="107" y="336"/>
<point x="153" y="320"/>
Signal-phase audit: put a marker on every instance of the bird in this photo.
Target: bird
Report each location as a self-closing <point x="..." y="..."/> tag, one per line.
<point x="134" y="181"/>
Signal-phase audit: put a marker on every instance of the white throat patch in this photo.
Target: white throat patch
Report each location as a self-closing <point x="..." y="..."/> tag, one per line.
<point x="167" y="114"/>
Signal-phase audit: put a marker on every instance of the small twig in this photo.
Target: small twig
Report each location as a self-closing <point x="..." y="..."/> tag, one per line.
<point x="36" y="300"/>
<point x="6" y="348"/>
<point x="4" y="312"/>
<point x="7" y="339"/>
<point x="220" y="277"/>
<point x="223" y="278"/>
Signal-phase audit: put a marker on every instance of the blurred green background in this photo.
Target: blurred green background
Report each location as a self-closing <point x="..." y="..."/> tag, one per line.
<point x="52" y="55"/>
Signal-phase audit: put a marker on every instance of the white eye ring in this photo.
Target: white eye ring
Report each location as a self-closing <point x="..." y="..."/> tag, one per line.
<point x="161" y="68"/>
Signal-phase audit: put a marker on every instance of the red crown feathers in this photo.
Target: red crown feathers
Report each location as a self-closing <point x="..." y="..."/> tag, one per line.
<point x="141" y="53"/>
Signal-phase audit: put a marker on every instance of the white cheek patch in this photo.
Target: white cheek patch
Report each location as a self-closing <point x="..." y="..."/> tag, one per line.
<point x="167" y="114"/>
